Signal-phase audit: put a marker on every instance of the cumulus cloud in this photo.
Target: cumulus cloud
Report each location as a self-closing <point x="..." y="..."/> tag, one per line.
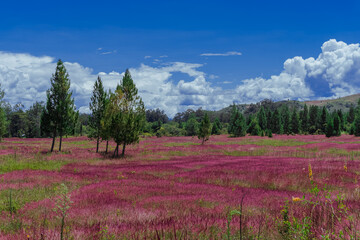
<point x="232" y="53"/>
<point x="25" y="78"/>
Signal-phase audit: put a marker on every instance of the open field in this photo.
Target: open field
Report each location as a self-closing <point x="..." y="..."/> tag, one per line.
<point x="175" y="188"/>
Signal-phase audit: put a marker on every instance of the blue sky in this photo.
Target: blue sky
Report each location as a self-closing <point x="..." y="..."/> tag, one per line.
<point x="156" y="36"/>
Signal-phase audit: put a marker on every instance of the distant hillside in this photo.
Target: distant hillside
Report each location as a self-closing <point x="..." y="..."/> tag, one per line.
<point x="343" y="103"/>
<point x="224" y="114"/>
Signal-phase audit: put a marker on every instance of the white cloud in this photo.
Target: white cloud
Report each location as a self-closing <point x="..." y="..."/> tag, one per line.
<point x="146" y="57"/>
<point x="232" y="53"/>
<point x="212" y="76"/>
<point x="25" y="78"/>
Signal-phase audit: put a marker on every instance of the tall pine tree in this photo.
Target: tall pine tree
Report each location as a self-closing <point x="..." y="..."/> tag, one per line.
<point x="216" y="128"/>
<point x="97" y="107"/>
<point x="276" y="122"/>
<point x="3" y="121"/>
<point x="286" y="119"/>
<point x="295" y="123"/>
<point x="305" y="119"/>
<point x="262" y="120"/>
<point x="204" y="129"/>
<point x="127" y="113"/>
<point x="237" y="125"/>
<point x="323" y="119"/>
<point x="313" y="119"/>
<point x="58" y="115"/>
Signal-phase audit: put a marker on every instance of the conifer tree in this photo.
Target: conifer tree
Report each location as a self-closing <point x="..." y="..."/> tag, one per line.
<point x="191" y="126"/>
<point x="276" y="122"/>
<point x="286" y="120"/>
<point x="248" y="123"/>
<point x="323" y="119"/>
<point x="305" y="119"/>
<point x="97" y="107"/>
<point x="127" y="113"/>
<point x="237" y="125"/>
<point x="295" y="123"/>
<point x="337" y="125"/>
<point x="59" y="112"/>
<point x="313" y="119"/>
<point x="105" y="132"/>
<point x="269" y="115"/>
<point x="216" y="128"/>
<point x="3" y="121"/>
<point x="204" y="129"/>
<point x="341" y="118"/>
<point x="329" y="127"/>
<point x="356" y="125"/>
<point x="262" y="119"/>
<point x="351" y="115"/>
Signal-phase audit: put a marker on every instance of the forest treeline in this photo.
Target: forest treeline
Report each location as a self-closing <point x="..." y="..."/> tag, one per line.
<point x="121" y="116"/>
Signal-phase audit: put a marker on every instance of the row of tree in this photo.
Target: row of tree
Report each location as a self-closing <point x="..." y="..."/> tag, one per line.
<point x="120" y="116"/>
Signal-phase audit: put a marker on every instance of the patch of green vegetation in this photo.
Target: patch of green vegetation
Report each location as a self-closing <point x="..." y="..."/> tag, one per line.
<point x="12" y="200"/>
<point x="206" y="204"/>
<point x="9" y="163"/>
<point x="175" y="144"/>
<point x="267" y="142"/>
<point x="256" y="152"/>
<point x="343" y="152"/>
<point x="85" y="142"/>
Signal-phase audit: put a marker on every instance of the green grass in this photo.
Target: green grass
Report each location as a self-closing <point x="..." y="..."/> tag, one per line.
<point x="267" y="142"/>
<point x="22" y="196"/>
<point x="9" y="163"/>
<point x="180" y="144"/>
<point x="257" y="152"/>
<point x="343" y="152"/>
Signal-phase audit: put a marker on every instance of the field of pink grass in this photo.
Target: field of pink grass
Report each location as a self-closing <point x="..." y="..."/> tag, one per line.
<point x="176" y="188"/>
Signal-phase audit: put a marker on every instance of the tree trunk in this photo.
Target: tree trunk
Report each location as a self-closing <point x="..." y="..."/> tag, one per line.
<point x="60" y="142"/>
<point x="107" y="147"/>
<point x="123" y="150"/>
<point x="116" y="152"/>
<point x="97" y="145"/>
<point x="203" y="141"/>
<point x="53" y="142"/>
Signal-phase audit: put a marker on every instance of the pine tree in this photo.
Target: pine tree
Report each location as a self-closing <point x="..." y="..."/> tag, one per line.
<point x="286" y="120"/>
<point x="305" y="119"/>
<point x="216" y="128"/>
<point x="191" y="126"/>
<point x="295" y="123"/>
<point x="105" y="132"/>
<point x="34" y="120"/>
<point x="58" y="115"/>
<point x="323" y="119"/>
<point x="313" y="119"/>
<point x="329" y="127"/>
<point x="97" y="107"/>
<point x="276" y="122"/>
<point x="341" y="118"/>
<point x="237" y="125"/>
<point x="269" y="115"/>
<point x="351" y="114"/>
<point x="356" y="125"/>
<point x="127" y="113"/>
<point x="3" y="121"/>
<point x="337" y="125"/>
<point x="262" y="119"/>
<point x="204" y="129"/>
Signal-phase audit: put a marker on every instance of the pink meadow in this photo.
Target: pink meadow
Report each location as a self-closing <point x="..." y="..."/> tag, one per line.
<point x="175" y="188"/>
